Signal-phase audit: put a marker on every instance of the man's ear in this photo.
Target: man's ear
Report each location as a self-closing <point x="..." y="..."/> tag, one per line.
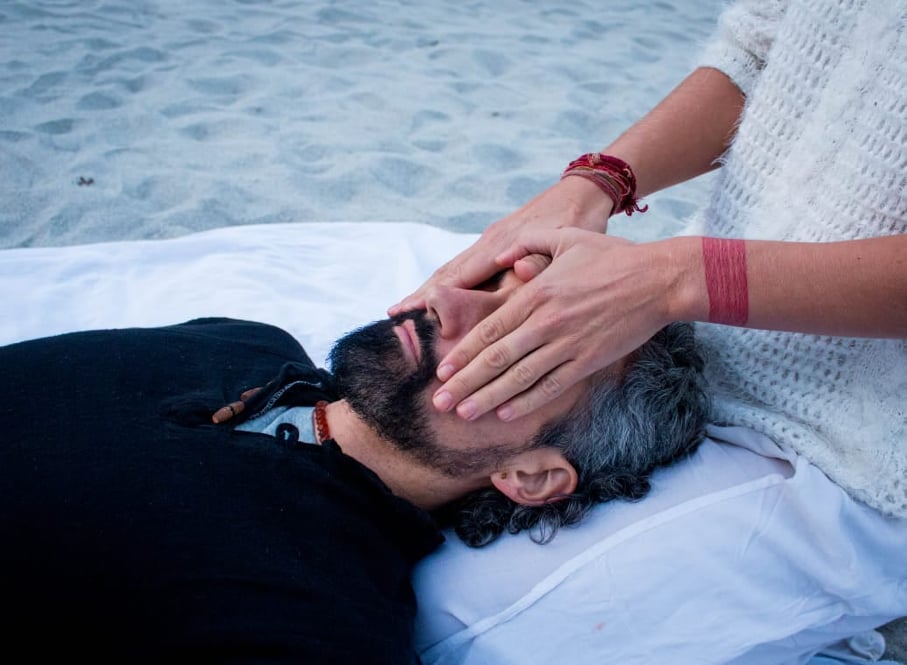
<point x="536" y="477"/>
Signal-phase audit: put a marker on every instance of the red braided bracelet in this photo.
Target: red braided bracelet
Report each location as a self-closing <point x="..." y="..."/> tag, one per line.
<point x="612" y="175"/>
<point x="725" y="280"/>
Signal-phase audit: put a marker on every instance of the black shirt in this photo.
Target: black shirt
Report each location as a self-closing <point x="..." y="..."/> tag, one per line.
<point x="134" y="529"/>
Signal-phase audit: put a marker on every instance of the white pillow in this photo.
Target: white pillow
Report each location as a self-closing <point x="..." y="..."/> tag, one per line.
<point x="741" y="554"/>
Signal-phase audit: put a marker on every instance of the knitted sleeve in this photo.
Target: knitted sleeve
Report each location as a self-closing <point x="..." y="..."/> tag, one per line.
<point x="742" y="40"/>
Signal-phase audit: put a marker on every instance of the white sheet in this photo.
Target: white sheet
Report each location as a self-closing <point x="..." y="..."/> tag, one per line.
<point x="732" y="556"/>
<point x="314" y="280"/>
<point x="744" y="554"/>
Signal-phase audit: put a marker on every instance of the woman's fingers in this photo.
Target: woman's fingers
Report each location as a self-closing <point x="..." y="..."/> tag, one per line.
<point x="547" y="244"/>
<point x="524" y="370"/>
<point x="530" y="267"/>
<point x="485" y="352"/>
<point x="597" y="301"/>
<point x="469" y="268"/>
<point x="570" y="203"/>
<point x="536" y="379"/>
<point x="548" y="388"/>
<point x="512" y="350"/>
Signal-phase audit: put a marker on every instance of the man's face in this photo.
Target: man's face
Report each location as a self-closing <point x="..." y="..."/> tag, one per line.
<point x="386" y="372"/>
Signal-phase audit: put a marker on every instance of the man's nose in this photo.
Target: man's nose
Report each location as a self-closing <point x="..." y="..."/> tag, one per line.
<point x="459" y="310"/>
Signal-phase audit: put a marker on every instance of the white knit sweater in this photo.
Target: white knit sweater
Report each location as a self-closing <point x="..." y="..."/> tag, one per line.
<point x="821" y="154"/>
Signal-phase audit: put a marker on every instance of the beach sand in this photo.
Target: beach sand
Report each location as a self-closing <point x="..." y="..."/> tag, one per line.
<point x="129" y="119"/>
<point x="143" y="119"/>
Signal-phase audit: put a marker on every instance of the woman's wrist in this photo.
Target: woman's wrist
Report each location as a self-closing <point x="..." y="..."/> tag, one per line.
<point x="591" y="206"/>
<point x="685" y="289"/>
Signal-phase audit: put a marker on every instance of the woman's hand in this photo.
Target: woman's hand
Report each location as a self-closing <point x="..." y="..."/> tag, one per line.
<point x="600" y="299"/>
<point x="572" y="202"/>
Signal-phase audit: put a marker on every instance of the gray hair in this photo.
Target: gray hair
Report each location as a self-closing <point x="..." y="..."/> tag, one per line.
<point x="654" y="415"/>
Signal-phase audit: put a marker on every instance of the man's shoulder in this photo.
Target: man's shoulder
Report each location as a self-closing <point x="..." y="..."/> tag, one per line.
<point x="233" y="331"/>
<point x="216" y="358"/>
<point x="237" y="338"/>
<point x="205" y="329"/>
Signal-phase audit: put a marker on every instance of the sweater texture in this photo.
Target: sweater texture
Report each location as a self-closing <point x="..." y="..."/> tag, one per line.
<point x="820" y="155"/>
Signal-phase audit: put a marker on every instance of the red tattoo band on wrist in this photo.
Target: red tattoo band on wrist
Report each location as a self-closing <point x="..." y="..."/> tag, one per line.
<point x="725" y="279"/>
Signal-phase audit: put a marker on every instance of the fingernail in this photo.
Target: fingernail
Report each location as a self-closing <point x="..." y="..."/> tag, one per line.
<point x="467" y="410"/>
<point x="445" y="372"/>
<point x="505" y="413"/>
<point x="442" y="401"/>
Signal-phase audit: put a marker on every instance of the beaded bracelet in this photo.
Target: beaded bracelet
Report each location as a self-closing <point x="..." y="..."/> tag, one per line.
<point x="611" y="175"/>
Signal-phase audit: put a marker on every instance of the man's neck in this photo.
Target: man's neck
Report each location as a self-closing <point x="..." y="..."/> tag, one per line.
<point x="407" y="478"/>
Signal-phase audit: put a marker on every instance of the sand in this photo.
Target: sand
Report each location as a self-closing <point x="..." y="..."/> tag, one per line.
<point x="133" y="119"/>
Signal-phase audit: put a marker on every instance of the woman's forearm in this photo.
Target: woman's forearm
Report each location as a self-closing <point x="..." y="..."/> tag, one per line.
<point x="684" y="135"/>
<point x="854" y="288"/>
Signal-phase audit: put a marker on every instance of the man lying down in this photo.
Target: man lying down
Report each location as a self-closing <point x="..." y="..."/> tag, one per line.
<point x="137" y="527"/>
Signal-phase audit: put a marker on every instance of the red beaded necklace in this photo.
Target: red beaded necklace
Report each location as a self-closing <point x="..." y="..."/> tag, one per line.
<point x="320" y="418"/>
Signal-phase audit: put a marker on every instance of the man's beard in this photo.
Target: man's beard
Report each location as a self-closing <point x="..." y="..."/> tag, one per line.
<point x="381" y="386"/>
